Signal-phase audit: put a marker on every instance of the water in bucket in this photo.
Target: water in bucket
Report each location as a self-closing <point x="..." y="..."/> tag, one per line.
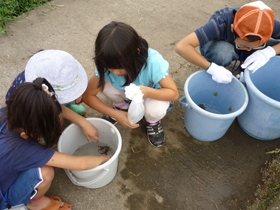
<point x="93" y="148"/>
<point x="73" y="141"/>
<point x="210" y="108"/>
<point x="221" y="104"/>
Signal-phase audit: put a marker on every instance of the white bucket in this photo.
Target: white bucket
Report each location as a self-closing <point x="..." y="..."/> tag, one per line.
<point x="73" y="138"/>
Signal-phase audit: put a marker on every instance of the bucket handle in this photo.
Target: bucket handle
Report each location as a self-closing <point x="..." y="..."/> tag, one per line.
<point x="242" y="77"/>
<point x="182" y="103"/>
<point x="74" y="181"/>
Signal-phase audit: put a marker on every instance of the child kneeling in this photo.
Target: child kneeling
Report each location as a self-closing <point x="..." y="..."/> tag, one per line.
<point x="32" y="113"/>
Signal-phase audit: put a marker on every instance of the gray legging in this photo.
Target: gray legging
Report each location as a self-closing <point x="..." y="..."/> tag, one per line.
<point x="155" y="110"/>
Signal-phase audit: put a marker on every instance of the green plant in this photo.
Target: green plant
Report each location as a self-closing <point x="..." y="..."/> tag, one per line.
<point x="10" y="9"/>
<point x="274" y="151"/>
<point x="267" y="191"/>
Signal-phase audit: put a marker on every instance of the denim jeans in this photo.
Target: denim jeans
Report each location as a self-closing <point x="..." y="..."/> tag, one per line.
<point x="24" y="188"/>
<point x="223" y="53"/>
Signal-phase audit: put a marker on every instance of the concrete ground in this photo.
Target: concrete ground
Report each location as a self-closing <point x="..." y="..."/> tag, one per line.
<point x="183" y="174"/>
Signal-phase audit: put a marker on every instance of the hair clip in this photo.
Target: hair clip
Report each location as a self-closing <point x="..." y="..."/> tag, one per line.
<point x="46" y="89"/>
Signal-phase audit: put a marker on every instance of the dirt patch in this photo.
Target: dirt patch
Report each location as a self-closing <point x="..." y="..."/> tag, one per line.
<point x="269" y="189"/>
<point x="189" y="174"/>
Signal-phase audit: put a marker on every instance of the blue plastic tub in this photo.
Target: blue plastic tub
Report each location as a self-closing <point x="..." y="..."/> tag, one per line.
<point x="261" y="119"/>
<point x="221" y="104"/>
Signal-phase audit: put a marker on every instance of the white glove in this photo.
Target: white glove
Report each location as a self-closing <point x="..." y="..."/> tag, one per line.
<point x="258" y="59"/>
<point x="219" y="74"/>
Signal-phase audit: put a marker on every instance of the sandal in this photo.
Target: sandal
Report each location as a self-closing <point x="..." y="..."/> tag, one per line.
<point x="57" y="204"/>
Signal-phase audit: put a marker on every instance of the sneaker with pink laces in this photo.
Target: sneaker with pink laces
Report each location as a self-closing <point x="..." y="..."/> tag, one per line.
<point x="155" y="133"/>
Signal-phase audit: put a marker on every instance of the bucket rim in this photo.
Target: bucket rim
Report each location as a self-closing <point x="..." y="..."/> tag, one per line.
<point x="194" y="106"/>
<point x="115" y="155"/>
<point x="259" y="94"/>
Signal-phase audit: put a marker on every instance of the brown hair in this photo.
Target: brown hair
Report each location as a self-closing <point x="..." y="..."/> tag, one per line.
<point x="36" y="112"/>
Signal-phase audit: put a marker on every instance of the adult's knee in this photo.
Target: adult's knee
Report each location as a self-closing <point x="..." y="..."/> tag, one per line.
<point x="221" y="53"/>
<point x="222" y="58"/>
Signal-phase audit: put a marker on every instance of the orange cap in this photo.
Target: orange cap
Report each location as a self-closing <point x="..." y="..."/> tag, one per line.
<point x="256" y="19"/>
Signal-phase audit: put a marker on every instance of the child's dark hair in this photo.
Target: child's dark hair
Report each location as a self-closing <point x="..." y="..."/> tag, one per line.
<point x="35" y="111"/>
<point x="118" y="46"/>
<point x="251" y="38"/>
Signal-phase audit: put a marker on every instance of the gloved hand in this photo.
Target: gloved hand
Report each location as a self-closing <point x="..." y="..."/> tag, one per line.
<point x="219" y="74"/>
<point x="258" y="59"/>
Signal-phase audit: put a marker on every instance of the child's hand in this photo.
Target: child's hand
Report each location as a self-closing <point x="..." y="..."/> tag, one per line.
<point x="79" y="100"/>
<point x="90" y="131"/>
<point x="123" y="119"/>
<point x="145" y="90"/>
<point x="105" y="159"/>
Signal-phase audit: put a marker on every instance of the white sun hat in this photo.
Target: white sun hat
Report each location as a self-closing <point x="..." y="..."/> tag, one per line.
<point x="66" y="75"/>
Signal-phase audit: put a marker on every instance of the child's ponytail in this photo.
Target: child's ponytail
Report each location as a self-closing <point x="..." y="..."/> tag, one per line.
<point x="33" y="107"/>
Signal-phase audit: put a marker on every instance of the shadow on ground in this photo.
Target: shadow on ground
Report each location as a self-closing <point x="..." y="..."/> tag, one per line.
<point x="188" y="174"/>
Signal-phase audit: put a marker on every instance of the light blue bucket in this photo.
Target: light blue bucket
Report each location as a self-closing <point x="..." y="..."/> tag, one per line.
<point x="222" y="103"/>
<point x="261" y="119"/>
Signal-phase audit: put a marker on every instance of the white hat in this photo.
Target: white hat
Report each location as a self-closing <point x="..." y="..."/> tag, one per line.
<point x="66" y="75"/>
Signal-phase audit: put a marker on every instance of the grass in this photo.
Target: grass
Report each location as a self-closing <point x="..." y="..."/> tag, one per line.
<point x="10" y="9"/>
<point x="270" y="187"/>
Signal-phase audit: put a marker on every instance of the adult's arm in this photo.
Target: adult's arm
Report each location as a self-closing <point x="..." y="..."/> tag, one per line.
<point x="186" y="48"/>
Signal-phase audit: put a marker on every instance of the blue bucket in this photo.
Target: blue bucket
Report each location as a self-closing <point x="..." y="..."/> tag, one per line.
<point x="211" y="107"/>
<point x="261" y="119"/>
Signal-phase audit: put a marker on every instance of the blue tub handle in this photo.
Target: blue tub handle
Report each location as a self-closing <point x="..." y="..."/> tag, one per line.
<point x="242" y="77"/>
<point x="182" y="103"/>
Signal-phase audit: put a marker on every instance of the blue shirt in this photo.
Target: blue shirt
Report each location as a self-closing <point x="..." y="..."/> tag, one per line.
<point x="219" y="27"/>
<point x="20" y="79"/>
<point x="18" y="154"/>
<point x="156" y="69"/>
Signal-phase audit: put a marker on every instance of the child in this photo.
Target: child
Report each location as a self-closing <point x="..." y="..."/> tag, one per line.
<point x="231" y="34"/>
<point x="26" y="173"/>
<point x="123" y="57"/>
<point x="67" y="77"/>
